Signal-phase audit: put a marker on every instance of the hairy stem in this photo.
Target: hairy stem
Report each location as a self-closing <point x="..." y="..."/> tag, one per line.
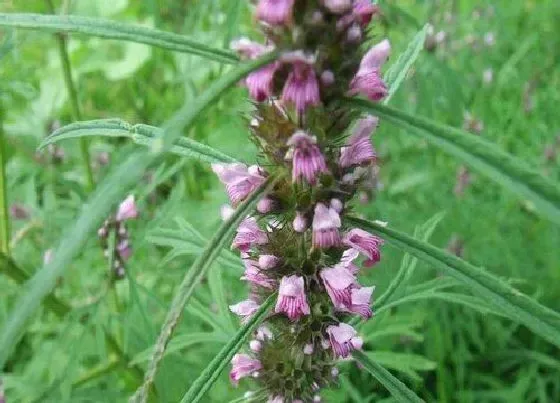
<point x="4" y="217"/>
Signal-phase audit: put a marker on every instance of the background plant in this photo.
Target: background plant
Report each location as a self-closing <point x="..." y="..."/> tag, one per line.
<point x="465" y="353"/>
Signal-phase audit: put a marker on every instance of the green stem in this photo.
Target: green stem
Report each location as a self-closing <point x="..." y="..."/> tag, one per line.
<point x="74" y="101"/>
<point x="4" y="217"/>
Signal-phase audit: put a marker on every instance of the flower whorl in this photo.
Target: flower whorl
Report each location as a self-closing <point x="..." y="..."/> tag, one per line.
<point x="310" y="263"/>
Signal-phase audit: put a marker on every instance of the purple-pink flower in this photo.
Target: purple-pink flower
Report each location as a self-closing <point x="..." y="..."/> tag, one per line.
<point x="242" y="366"/>
<point x="307" y="160"/>
<point x="365" y="243"/>
<point x="339" y="283"/>
<point x="248" y="234"/>
<point x="363" y="11"/>
<point x="361" y="301"/>
<point x="275" y="12"/>
<point x="359" y="149"/>
<point x="124" y="249"/>
<point x="302" y="87"/>
<point x="245" y="309"/>
<point x="338" y="6"/>
<point x="259" y="82"/>
<point x="291" y="298"/>
<point x="326" y="224"/>
<point x="348" y="257"/>
<point x="267" y="262"/>
<point x="344" y="339"/>
<point x="367" y="80"/>
<point x="255" y="275"/>
<point x="300" y="222"/>
<point x="240" y="180"/>
<point x="127" y="209"/>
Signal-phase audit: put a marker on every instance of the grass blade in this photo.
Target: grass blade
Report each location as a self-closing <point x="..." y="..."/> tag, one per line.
<point x="101" y="202"/>
<point x="216" y="366"/>
<point x="398" y="70"/>
<point x="480" y="154"/>
<point x="115" y="30"/>
<point x="497" y="293"/>
<point x="140" y="134"/>
<point x="190" y="282"/>
<point x="399" y="390"/>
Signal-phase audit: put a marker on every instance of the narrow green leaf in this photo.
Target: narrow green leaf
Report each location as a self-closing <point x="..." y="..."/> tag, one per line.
<point x="398" y="70"/>
<point x="214" y="369"/>
<point x="140" y="134"/>
<point x="399" y="390"/>
<point x="480" y="154"/>
<point x="191" y="281"/>
<point x="497" y="293"/>
<point x="115" y="30"/>
<point x="113" y="189"/>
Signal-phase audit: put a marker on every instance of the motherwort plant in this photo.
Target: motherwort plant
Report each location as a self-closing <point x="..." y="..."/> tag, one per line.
<point x="298" y="245"/>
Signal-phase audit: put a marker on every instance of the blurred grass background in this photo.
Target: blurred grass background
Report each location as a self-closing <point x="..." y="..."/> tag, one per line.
<point x="491" y="67"/>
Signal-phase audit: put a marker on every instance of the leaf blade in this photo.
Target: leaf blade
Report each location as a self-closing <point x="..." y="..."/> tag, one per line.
<point x="480" y="154"/>
<point x="211" y="373"/>
<point x="497" y="293"/>
<point x="115" y="30"/>
<point x="399" y="390"/>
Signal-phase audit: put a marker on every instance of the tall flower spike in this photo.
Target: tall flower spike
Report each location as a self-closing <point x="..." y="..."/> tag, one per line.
<point x="127" y="209"/>
<point x="307" y="160"/>
<point x="275" y="12"/>
<point x="291" y="298"/>
<point x="339" y="283"/>
<point x="242" y="366"/>
<point x="302" y="87"/>
<point x="326" y="223"/>
<point x="359" y="149"/>
<point x="249" y="234"/>
<point x="239" y="180"/>
<point x="365" y="243"/>
<point x="368" y="79"/>
<point x="344" y="339"/>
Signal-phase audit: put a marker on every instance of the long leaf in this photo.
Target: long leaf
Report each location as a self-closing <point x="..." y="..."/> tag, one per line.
<point x="115" y="30"/>
<point x="214" y="369"/>
<point x="498" y="294"/>
<point x="398" y="70"/>
<point x="100" y="204"/>
<point x="480" y="154"/>
<point x="191" y="281"/>
<point x="140" y="134"/>
<point x="399" y="390"/>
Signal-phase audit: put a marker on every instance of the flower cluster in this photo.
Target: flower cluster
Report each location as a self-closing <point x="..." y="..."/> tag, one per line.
<point x="122" y="249"/>
<point x="298" y="244"/>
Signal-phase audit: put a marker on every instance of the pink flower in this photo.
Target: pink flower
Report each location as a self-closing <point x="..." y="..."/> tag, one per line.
<point x="239" y="180"/>
<point x="364" y="242"/>
<point x="127" y="209"/>
<point x="359" y="149"/>
<point x="361" y="301"/>
<point x="264" y="333"/>
<point x="275" y="12"/>
<point x="307" y="160"/>
<point x="242" y="366"/>
<point x="308" y="349"/>
<point x="291" y="298"/>
<point x="368" y="79"/>
<point x="267" y="262"/>
<point x="124" y="249"/>
<point x="347" y="259"/>
<point x="300" y="222"/>
<point x="265" y="205"/>
<point x="337" y="205"/>
<point x="249" y="49"/>
<point x="301" y="87"/>
<point x="255" y="275"/>
<point x="338" y="6"/>
<point x="339" y="283"/>
<point x="344" y="339"/>
<point x="245" y="309"/>
<point x="326" y="223"/>
<point x="249" y="234"/>
<point x="260" y="81"/>
<point x="255" y="346"/>
<point x="363" y="12"/>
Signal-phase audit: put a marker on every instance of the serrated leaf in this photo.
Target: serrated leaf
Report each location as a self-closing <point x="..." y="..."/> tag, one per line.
<point x="211" y="373"/>
<point x="499" y="295"/>
<point x="398" y="389"/>
<point x="141" y="134"/>
<point x="399" y="70"/>
<point x="108" y="29"/>
<point x="483" y="156"/>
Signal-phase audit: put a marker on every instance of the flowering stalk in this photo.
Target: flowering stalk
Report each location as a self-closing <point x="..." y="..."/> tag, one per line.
<point x="298" y="244"/>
